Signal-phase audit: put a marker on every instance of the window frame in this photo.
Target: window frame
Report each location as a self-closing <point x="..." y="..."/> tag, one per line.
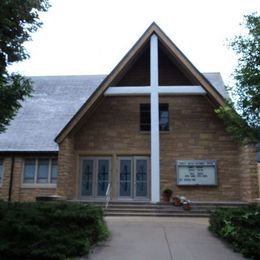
<point x="36" y="184"/>
<point x="95" y="160"/>
<point x="140" y="119"/>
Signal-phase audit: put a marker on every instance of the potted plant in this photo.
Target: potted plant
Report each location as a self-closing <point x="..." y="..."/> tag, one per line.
<point x="167" y="193"/>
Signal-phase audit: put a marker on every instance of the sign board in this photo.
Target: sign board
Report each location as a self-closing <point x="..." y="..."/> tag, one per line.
<point x="196" y="172"/>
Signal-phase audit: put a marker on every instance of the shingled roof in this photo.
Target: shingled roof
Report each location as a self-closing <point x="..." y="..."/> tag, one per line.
<point x="54" y="102"/>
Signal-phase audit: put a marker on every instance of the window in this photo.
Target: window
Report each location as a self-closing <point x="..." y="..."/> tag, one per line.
<point x="1" y="170"/>
<point x="43" y="168"/>
<point x="164" y="117"/>
<point x="40" y="171"/>
<point x="29" y="171"/>
<point x="145" y="118"/>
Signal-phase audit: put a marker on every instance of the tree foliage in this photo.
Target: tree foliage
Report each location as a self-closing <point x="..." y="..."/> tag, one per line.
<point x="240" y="227"/>
<point x="18" y="19"/>
<point x="242" y="116"/>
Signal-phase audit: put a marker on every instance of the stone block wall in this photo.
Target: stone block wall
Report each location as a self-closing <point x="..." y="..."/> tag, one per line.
<point x="66" y="182"/>
<point x="4" y="190"/>
<point x="20" y="193"/>
<point x="195" y="134"/>
<point x="258" y="167"/>
<point x="248" y="173"/>
<point x="113" y="130"/>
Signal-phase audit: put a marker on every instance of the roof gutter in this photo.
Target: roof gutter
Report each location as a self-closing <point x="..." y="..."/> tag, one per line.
<point x="28" y="152"/>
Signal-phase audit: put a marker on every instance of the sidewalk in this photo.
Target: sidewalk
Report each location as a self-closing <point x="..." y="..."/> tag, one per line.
<point x="153" y="238"/>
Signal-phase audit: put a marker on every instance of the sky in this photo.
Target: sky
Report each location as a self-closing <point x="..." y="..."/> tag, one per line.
<point x="86" y="37"/>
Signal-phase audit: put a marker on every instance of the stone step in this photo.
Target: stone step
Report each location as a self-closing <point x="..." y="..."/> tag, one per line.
<point x="147" y="204"/>
<point x="166" y="206"/>
<point x="205" y="203"/>
<point x="136" y="208"/>
<point x="157" y="214"/>
<point x="172" y="209"/>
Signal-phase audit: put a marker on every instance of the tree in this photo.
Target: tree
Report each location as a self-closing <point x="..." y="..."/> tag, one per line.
<point x="18" y="19"/>
<point x="242" y="116"/>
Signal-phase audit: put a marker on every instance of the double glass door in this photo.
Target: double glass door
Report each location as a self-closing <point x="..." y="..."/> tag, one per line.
<point x="95" y="176"/>
<point x="133" y="178"/>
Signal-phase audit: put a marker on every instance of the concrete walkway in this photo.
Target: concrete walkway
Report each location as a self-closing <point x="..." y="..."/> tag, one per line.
<point x="153" y="238"/>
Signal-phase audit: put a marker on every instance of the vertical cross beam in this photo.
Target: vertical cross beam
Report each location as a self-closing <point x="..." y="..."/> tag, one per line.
<point x="155" y="137"/>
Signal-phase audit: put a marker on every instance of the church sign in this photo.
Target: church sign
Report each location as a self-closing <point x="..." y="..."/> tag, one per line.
<point x="196" y="172"/>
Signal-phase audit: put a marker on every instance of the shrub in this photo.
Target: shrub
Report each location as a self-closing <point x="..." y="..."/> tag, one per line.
<point x="49" y="230"/>
<point x="240" y="227"/>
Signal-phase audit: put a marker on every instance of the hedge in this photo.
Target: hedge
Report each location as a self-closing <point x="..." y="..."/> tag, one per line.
<point x="240" y="227"/>
<point x="49" y="230"/>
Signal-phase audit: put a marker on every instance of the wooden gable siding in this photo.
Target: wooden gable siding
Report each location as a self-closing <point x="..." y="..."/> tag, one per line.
<point x="170" y="73"/>
<point x="139" y="73"/>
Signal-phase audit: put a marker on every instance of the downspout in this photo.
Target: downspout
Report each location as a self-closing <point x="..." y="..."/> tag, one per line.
<point x="11" y="179"/>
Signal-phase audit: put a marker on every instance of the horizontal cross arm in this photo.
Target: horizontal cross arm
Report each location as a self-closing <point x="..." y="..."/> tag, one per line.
<point x="162" y="90"/>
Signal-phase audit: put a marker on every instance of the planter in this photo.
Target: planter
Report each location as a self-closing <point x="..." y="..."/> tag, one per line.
<point x="167" y="193"/>
<point x="176" y="201"/>
<point x="166" y="197"/>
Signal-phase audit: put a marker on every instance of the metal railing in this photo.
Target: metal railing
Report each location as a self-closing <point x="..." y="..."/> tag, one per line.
<point x="108" y="192"/>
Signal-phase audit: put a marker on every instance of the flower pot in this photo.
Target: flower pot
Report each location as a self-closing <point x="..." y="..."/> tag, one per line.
<point x="166" y="197"/>
<point x="176" y="202"/>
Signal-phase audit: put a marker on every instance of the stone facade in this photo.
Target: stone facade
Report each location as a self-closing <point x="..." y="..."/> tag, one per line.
<point x="258" y="169"/>
<point x="249" y="173"/>
<point x="66" y="183"/>
<point x="195" y="133"/>
<point x="113" y="130"/>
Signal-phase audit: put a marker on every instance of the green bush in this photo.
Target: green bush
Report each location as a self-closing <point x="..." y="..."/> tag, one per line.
<point x="49" y="230"/>
<point x="240" y="227"/>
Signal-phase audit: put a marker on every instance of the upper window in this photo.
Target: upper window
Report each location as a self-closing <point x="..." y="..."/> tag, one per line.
<point x="145" y="117"/>
<point x="40" y="171"/>
<point x="1" y="170"/>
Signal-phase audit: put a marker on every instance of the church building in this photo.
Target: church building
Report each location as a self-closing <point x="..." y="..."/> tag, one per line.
<point x="148" y="126"/>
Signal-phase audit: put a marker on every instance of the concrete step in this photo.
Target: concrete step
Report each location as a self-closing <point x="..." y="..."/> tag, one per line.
<point x="136" y="208"/>
<point x="152" y="206"/>
<point x="153" y="210"/>
<point x="157" y="214"/>
<point x="147" y="204"/>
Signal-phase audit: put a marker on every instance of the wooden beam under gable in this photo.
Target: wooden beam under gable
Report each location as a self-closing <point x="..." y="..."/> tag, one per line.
<point x="182" y="59"/>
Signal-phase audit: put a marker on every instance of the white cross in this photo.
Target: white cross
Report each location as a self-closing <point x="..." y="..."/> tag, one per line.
<point x="155" y="137"/>
<point x="154" y="90"/>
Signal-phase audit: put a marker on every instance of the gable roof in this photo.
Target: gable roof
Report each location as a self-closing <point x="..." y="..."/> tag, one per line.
<point x="214" y="95"/>
<point x="54" y="101"/>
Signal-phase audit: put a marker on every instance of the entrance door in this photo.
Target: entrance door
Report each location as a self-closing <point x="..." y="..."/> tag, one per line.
<point x="133" y="178"/>
<point x="95" y="177"/>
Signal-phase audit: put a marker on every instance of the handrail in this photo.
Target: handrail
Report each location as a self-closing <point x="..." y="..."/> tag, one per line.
<point x="108" y="194"/>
